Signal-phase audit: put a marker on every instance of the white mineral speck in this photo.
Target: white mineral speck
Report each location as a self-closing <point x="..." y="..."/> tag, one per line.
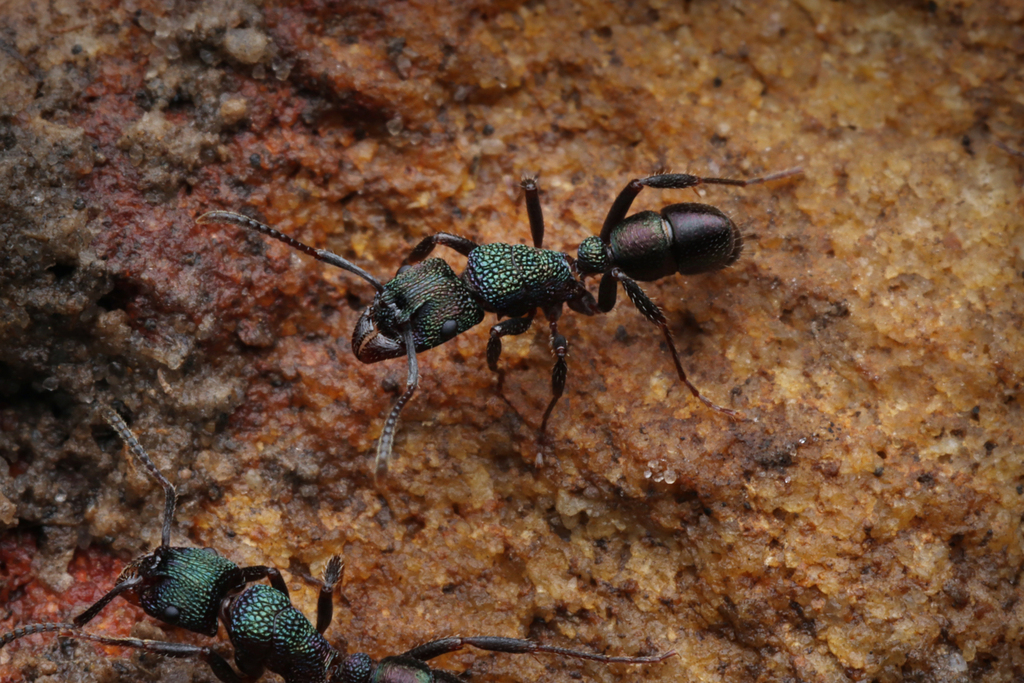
<point x="247" y="45"/>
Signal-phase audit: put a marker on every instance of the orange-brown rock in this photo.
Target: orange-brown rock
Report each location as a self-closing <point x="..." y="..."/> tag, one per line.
<point x="864" y="524"/>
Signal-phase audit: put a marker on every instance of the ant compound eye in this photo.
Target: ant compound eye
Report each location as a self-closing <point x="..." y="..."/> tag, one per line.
<point x="171" y="614"/>
<point x="449" y="329"/>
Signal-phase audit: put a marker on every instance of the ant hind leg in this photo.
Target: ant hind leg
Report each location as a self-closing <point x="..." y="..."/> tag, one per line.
<point x="560" y="347"/>
<point x="652" y="312"/>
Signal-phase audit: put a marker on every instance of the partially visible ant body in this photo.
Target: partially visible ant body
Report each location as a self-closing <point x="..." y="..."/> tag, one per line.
<point x="427" y="304"/>
<point x="266" y="631"/>
<point x="178" y="586"/>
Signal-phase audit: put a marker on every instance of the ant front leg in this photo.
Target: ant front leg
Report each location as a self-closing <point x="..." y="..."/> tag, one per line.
<point x="423" y="249"/>
<point x="650" y="310"/>
<point x="560" y="347"/>
<point x="506" y="328"/>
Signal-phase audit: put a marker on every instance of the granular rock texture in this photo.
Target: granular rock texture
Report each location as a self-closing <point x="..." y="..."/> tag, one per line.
<point x="863" y="524"/>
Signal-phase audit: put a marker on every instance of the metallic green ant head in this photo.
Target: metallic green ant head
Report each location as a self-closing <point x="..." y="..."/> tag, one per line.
<point x="430" y="297"/>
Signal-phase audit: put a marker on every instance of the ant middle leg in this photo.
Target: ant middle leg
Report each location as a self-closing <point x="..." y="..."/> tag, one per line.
<point x="506" y="328"/>
<point x="560" y="347"/>
<point x="653" y="313"/>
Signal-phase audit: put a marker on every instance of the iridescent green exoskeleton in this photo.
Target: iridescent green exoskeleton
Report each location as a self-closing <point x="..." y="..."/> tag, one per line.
<point x="269" y="634"/>
<point x="430" y="299"/>
<point x="427" y="304"/>
<point x="514" y="281"/>
<point x="182" y="587"/>
<point x="682" y="238"/>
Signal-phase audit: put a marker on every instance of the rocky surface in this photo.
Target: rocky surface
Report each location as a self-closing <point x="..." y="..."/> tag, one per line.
<point x="864" y="524"/>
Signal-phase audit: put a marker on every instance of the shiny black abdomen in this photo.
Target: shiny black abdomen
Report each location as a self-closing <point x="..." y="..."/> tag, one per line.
<point x="684" y="238"/>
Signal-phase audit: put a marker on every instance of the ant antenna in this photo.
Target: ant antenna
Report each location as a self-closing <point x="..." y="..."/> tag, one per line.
<point x="319" y="254"/>
<point x="170" y="497"/>
<point x="387" y="436"/>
